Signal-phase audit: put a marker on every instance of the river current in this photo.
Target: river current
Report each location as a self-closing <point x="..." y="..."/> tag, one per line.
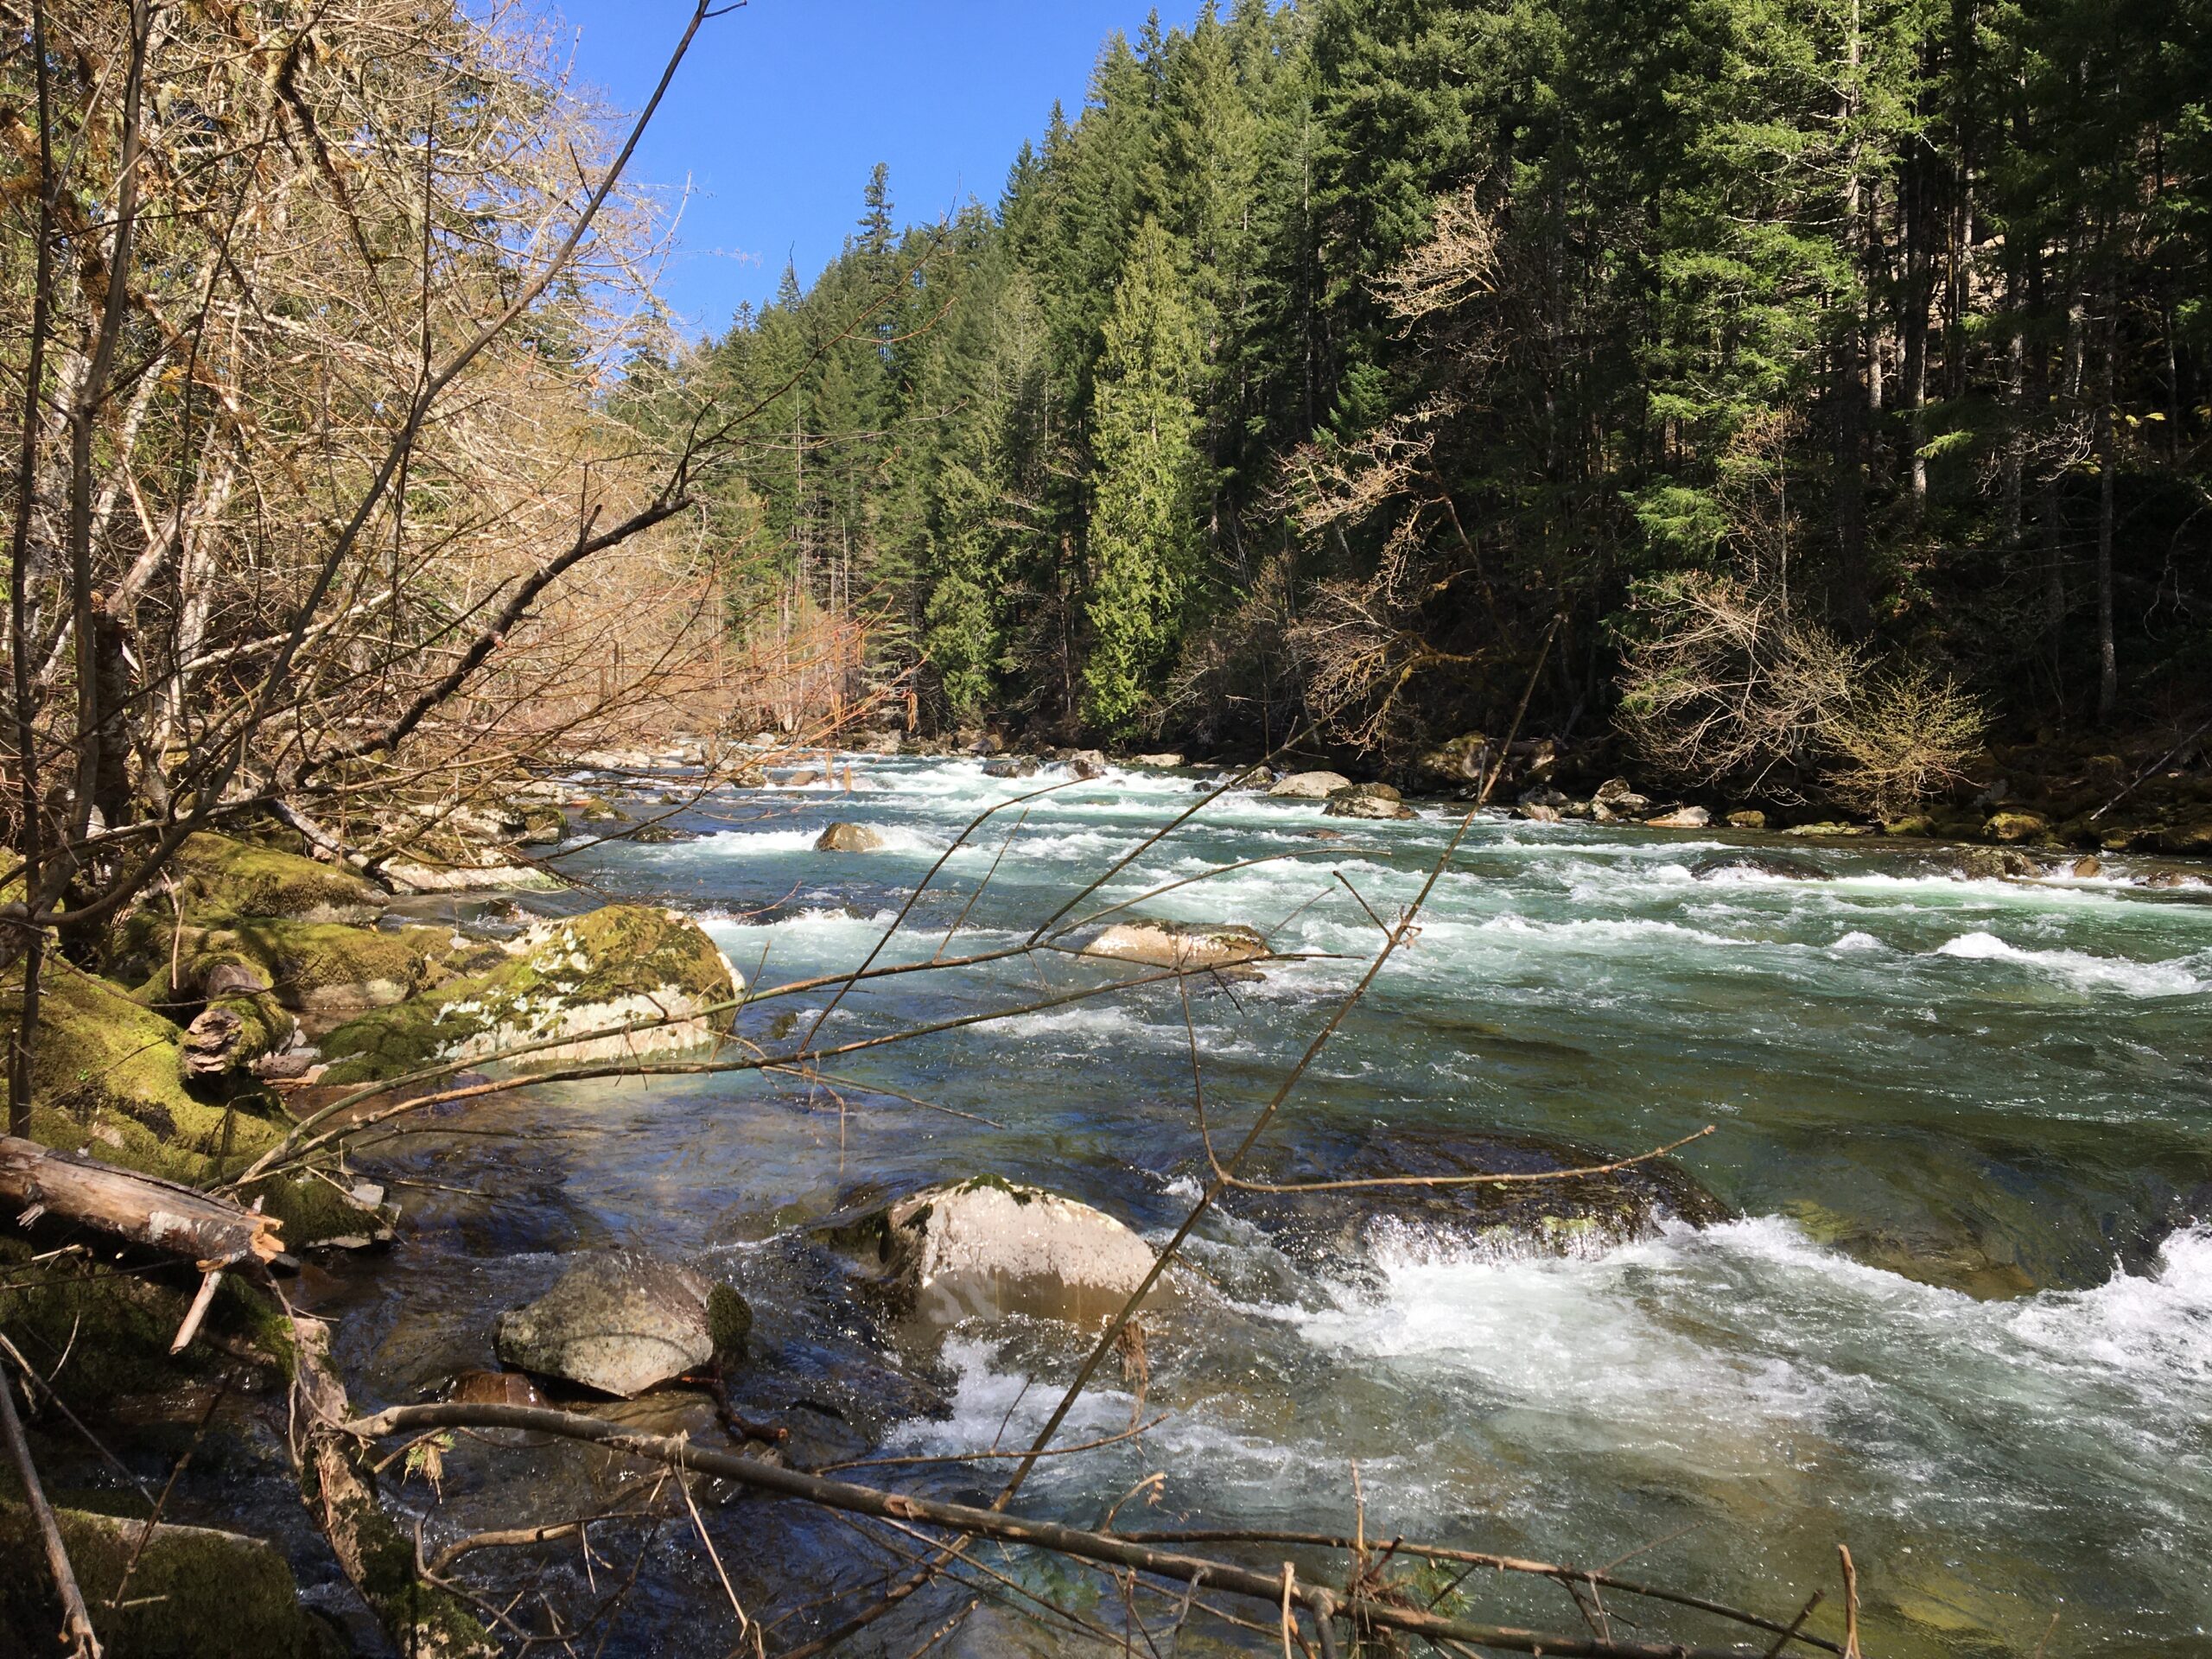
<point x="1961" y="1318"/>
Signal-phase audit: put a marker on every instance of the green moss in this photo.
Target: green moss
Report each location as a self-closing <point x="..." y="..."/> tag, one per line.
<point x="105" y="1082"/>
<point x="421" y="1620"/>
<point x="218" y="877"/>
<point x="117" y="1327"/>
<point x="635" y="955"/>
<point x="729" y="1321"/>
<point x="313" y="1211"/>
<point x="193" y="1592"/>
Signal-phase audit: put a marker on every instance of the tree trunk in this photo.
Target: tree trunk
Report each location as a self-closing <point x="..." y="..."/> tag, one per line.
<point x="2107" y="659"/>
<point x="212" y="1232"/>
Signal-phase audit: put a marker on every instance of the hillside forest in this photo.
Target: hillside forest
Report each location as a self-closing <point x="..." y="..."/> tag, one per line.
<point x="1797" y="383"/>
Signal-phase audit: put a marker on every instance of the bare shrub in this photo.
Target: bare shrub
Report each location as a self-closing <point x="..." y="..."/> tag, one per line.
<point x="1724" y="682"/>
<point x="1905" y="735"/>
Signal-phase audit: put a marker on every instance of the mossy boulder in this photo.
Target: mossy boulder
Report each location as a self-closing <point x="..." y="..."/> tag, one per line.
<point x="219" y="879"/>
<point x="317" y="968"/>
<point x="195" y="1592"/>
<point x="2017" y="826"/>
<point x="107" y="1081"/>
<point x="558" y="983"/>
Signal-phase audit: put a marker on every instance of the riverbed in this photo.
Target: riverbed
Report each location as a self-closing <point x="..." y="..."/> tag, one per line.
<point x="1958" y="1315"/>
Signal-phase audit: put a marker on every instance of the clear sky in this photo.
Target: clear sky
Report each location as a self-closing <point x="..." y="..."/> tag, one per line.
<point x="783" y="106"/>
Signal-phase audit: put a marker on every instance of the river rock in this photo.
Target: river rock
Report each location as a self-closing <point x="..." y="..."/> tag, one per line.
<point x="1585" y="1216"/>
<point x="1722" y="867"/>
<point x="849" y="838"/>
<point x="623" y="1322"/>
<point x="2086" y="866"/>
<point x="1309" y="785"/>
<point x="2017" y="826"/>
<point x="1465" y="760"/>
<point x="1747" y="818"/>
<point x="2173" y="878"/>
<point x="220" y="879"/>
<point x="1538" y="812"/>
<point x="1997" y="864"/>
<point x="1616" y="798"/>
<point x="556" y="983"/>
<point x="1179" y="944"/>
<point x="1366" y="801"/>
<point x="985" y="1248"/>
<point x="1083" y="765"/>
<point x="1167" y="760"/>
<point x="1014" y="766"/>
<point x="1682" y="817"/>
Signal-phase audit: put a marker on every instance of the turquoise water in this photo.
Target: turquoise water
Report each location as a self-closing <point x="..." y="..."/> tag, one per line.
<point x="1961" y="1318"/>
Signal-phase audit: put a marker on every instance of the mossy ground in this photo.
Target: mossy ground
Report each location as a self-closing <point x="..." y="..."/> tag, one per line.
<point x="193" y="1594"/>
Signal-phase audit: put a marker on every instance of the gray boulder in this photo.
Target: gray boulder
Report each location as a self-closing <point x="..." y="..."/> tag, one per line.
<point x="986" y="1248"/>
<point x="622" y="1323"/>
<point x="1309" y="786"/>
<point x="1085" y="764"/>
<point x="1682" y="817"/>
<point x="1013" y="766"/>
<point x="848" y="838"/>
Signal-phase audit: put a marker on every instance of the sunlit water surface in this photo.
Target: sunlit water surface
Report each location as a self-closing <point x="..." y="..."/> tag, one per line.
<point x="1962" y="1320"/>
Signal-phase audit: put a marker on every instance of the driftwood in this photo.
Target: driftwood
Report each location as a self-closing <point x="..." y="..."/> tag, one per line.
<point x="1323" y="1606"/>
<point x="168" y="1216"/>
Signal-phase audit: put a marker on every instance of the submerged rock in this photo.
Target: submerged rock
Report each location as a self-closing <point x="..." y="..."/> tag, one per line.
<point x="1309" y="785"/>
<point x="1585" y="1215"/>
<point x="842" y="837"/>
<point x="622" y="1323"/>
<point x="1179" y="944"/>
<point x="985" y="1248"/>
<point x="1719" y="867"/>
<point x="560" y="981"/>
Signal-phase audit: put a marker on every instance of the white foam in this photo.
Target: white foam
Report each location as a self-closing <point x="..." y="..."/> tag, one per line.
<point x="2113" y="973"/>
<point x="1856" y="940"/>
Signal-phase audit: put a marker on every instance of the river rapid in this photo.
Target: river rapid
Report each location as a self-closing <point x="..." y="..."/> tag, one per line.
<point x="1960" y="1317"/>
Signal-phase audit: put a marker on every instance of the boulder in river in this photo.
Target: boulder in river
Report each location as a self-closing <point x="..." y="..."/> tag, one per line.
<point x="1682" y="817"/>
<point x="1997" y="864"/>
<point x="1165" y="761"/>
<point x="623" y="1322"/>
<point x="988" y="1247"/>
<point x="1179" y="944"/>
<point x="1747" y="818"/>
<point x="1732" y="866"/>
<point x="842" y="837"/>
<point x="2017" y="826"/>
<point x="1366" y="801"/>
<point x="1083" y="765"/>
<point x="559" y="984"/>
<point x="1309" y="785"/>
<point x="1013" y="765"/>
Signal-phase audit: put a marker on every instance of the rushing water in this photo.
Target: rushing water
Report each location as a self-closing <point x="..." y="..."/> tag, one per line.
<point x="1962" y="1319"/>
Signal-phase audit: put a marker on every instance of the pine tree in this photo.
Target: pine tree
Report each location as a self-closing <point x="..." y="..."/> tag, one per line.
<point x="1149" y="488"/>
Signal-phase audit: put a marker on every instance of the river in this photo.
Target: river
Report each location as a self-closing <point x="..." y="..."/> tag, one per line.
<point x="1961" y="1319"/>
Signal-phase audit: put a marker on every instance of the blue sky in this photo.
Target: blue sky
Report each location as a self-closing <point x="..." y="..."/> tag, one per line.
<point x="783" y="105"/>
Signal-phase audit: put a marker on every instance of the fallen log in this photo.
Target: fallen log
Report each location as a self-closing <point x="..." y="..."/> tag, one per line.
<point x="166" y="1214"/>
<point x="1271" y="1588"/>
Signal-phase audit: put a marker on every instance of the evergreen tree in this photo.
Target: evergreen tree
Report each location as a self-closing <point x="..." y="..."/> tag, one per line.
<point x="1149" y="484"/>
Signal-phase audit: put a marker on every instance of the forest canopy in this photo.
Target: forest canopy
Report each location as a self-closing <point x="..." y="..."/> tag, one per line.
<point x="1333" y="349"/>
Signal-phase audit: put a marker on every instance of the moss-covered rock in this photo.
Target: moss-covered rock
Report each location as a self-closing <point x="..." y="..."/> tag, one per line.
<point x="193" y="1593"/>
<point x="2012" y="826"/>
<point x="106" y="1080"/>
<point x="220" y="879"/>
<point x="318" y="968"/>
<point x="560" y="981"/>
